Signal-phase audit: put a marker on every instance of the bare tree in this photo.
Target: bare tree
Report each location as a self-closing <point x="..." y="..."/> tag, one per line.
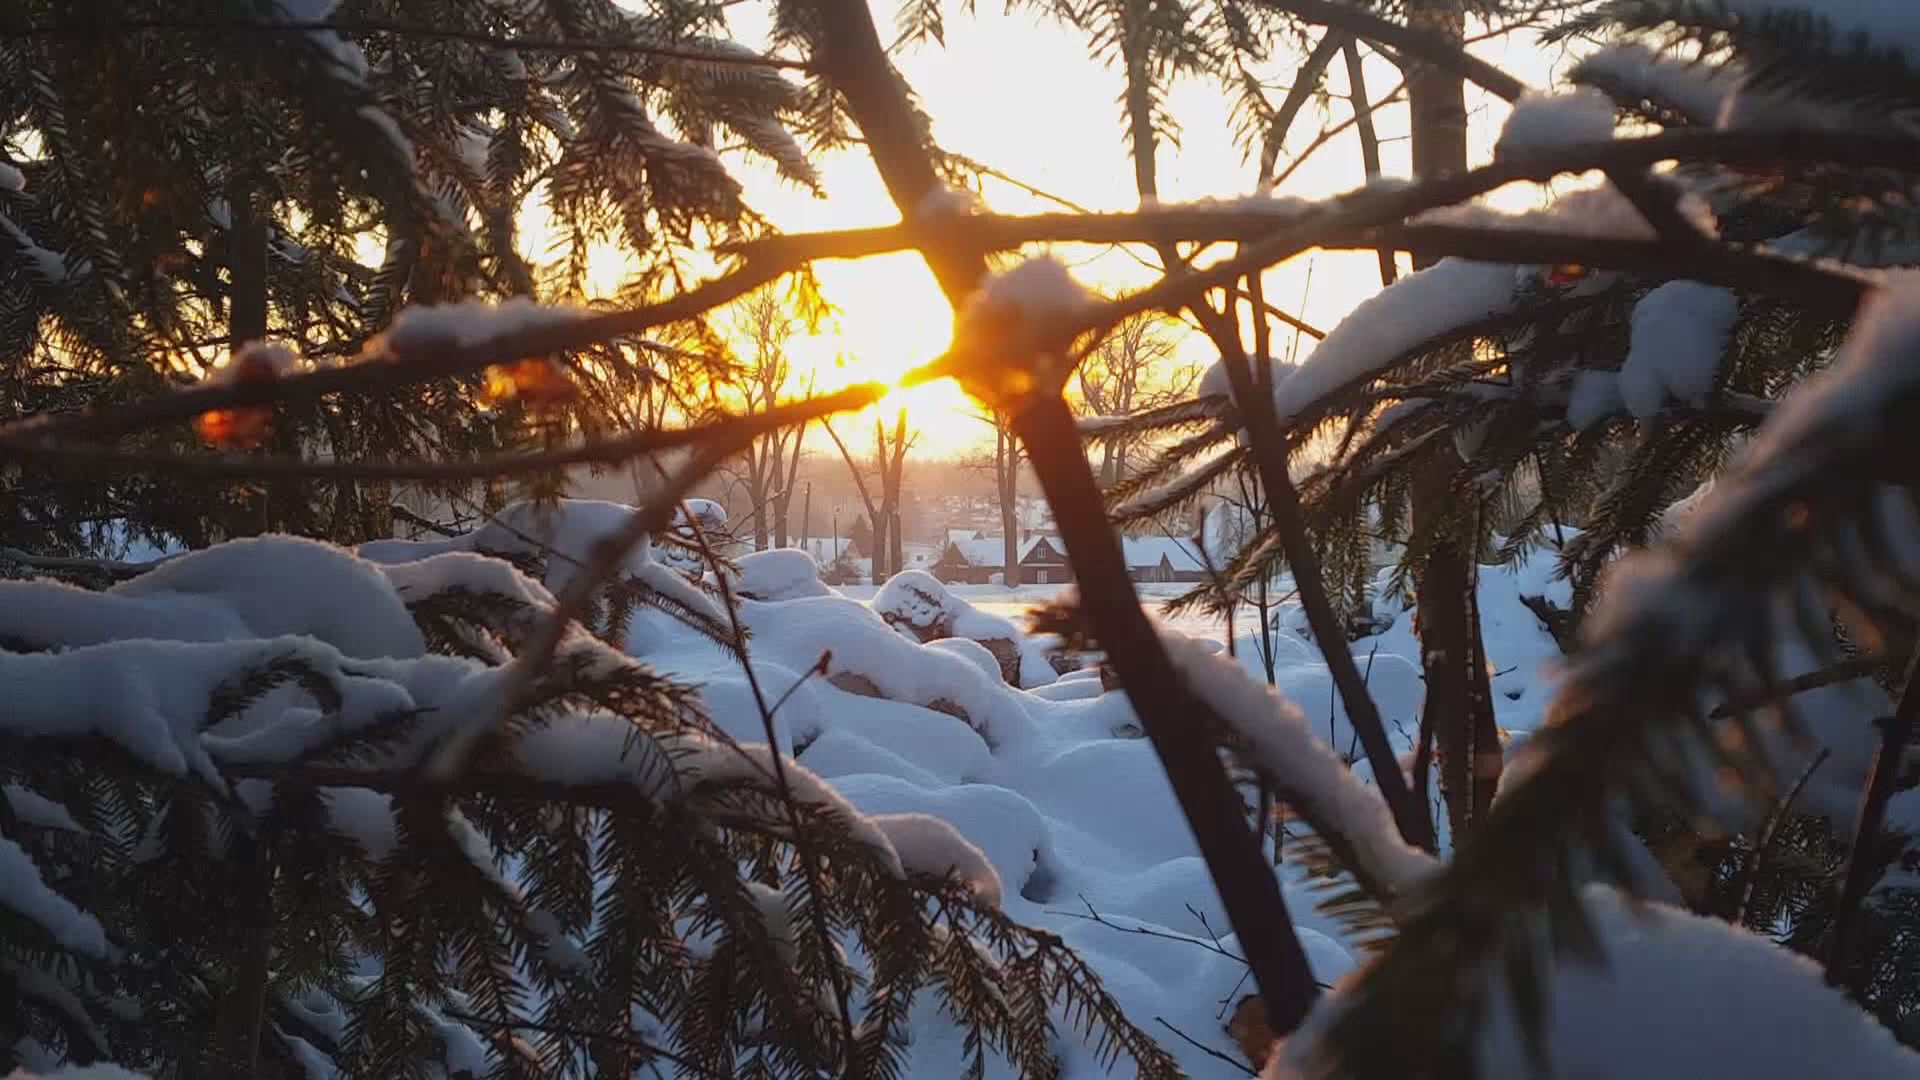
<point x="1134" y="368"/>
<point x="768" y="466"/>
<point x="1004" y="464"/>
<point x="890" y="464"/>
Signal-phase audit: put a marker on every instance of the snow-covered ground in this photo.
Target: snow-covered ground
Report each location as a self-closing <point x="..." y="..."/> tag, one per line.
<point x="912" y="699"/>
<point x="1062" y="794"/>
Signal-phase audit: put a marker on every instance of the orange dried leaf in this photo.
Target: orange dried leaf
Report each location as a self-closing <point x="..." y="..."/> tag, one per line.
<point x="235" y="429"/>
<point x="536" y="382"/>
<point x="1566" y="274"/>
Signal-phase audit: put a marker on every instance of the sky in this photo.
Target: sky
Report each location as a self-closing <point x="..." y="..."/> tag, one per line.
<point x="1023" y="95"/>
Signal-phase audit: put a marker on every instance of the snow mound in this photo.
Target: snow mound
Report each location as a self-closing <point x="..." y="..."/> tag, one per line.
<point x="865" y="656"/>
<point x="254" y="588"/>
<point x="921" y="607"/>
<point x="780" y="574"/>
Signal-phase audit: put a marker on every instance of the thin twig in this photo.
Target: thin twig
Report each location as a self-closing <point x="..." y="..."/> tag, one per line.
<point x="1424" y="44"/>
<point x="1198" y="1045"/>
<point x="1094" y="916"/>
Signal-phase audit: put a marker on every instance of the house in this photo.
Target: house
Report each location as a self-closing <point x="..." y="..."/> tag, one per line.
<point x="970" y="561"/>
<point x="1043" y="561"/>
<point x="1162" y="559"/>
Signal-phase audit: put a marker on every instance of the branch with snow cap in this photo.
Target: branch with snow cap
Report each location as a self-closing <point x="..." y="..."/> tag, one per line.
<point x="1275" y="739"/>
<point x="1805" y="511"/>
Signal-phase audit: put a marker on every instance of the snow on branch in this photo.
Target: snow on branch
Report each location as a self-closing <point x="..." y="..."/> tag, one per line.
<point x="1542" y="122"/>
<point x="1276" y="740"/>
<point x="1700" y="998"/>
<point x="24" y="890"/>
<point x="1802" y="514"/>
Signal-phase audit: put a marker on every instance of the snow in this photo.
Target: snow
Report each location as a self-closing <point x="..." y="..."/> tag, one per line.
<point x="1036" y="799"/>
<point x="49" y="266"/>
<point x="1542" y="122"/>
<point x="37" y="810"/>
<point x="1595" y="395"/>
<point x="382" y="122"/>
<point x="272" y="585"/>
<point x="315" y="1064"/>
<point x="366" y="817"/>
<point x="1279" y="742"/>
<point x="920" y="606"/>
<point x="23" y="890"/>
<point x="1029" y="298"/>
<point x="1593" y="211"/>
<point x="1680" y="329"/>
<point x="150" y="697"/>
<point x="472" y="322"/>
<point x="779" y="574"/>
<point x="1692" y="997"/>
<point x="943" y="201"/>
<point x="256" y="359"/>
<point x="349" y="63"/>
<point x="929" y="845"/>
<point x="1840" y="408"/>
<point x="862" y="649"/>
<point x="1446" y="297"/>
<point x="1413" y="310"/>
<point x="1693" y="90"/>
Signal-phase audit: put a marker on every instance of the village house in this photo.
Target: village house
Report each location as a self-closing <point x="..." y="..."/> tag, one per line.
<point x="973" y="557"/>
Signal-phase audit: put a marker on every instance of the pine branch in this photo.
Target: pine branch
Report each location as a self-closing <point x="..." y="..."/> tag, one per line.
<point x="802" y="841"/>
<point x="386" y="373"/>
<point x="100" y="29"/>
<point x="605" y="558"/>
<point x="1896" y="732"/>
<point x="592" y="451"/>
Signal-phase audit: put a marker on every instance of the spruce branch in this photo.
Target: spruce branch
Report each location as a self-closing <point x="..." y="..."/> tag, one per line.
<point x="386" y="373"/>
<point x="604" y="560"/>
<point x="363" y="27"/>
<point x="609" y="451"/>
<point x="1864" y="854"/>
<point x="802" y="841"/>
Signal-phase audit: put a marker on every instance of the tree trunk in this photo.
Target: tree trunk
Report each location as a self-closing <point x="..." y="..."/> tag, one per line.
<point x="247" y="317"/>
<point x="1459" y="702"/>
<point x="1006" y="461"/>
<point x="806" y="514"/>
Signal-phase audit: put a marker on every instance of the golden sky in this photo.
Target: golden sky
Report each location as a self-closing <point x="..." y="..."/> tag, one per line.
<point x="1023" y="95"/>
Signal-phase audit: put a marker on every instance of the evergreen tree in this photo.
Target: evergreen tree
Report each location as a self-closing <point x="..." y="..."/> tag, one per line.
<point x="193" y="176"/>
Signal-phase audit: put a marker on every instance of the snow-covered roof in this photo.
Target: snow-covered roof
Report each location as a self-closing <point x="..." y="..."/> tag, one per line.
<point x="1149" y="550"/>
<point x="989" y="550"/>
